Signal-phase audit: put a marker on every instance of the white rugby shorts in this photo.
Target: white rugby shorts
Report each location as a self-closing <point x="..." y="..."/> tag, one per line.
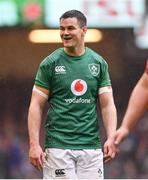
<point x="73" y="164"/>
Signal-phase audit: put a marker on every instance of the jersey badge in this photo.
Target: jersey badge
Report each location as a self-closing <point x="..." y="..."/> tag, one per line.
<point x="94" y="69"/>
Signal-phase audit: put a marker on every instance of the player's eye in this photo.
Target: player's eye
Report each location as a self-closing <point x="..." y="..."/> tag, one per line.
<point x="62" y="28"/>
<point x="71" y="28"/>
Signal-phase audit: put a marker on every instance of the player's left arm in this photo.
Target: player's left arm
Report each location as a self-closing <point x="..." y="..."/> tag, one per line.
<point x="109" y="116"/>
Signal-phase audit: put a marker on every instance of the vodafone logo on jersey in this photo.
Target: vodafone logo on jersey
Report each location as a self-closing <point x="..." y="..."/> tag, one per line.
<point x="78" y="87"/>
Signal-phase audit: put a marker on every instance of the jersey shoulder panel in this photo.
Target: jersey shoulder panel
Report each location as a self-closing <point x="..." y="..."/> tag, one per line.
<point x="46" y="69"/>
<point x="104" y="77"/>
<point x="51" y="58"/>
<point x="96" y="56"/>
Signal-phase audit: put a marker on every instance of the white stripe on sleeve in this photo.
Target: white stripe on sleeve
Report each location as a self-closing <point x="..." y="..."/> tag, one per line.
<point x="40" y="92"/>
<point x="106" y="89"/>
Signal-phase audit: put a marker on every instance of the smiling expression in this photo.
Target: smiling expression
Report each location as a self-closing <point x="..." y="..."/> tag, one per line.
<point x="72" y="34"/>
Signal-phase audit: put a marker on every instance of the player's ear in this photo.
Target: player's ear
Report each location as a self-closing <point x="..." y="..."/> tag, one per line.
<point x="84" y="29"/>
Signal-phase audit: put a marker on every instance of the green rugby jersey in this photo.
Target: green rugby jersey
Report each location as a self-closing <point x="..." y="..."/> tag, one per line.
<point x="73" y="83"/>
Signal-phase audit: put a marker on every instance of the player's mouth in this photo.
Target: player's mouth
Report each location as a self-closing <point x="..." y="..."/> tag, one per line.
<point x="67" y="38"/>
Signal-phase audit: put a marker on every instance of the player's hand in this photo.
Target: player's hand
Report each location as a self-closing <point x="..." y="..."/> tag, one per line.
<point x="120" y="134"/>
<point x="36" y="156"/>
<point x="110" y="150"/>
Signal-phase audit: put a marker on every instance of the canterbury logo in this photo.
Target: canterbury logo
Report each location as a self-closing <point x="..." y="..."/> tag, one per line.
<point x="60" y="70"/>
<point x="60" y="172"/>
<point x="100" y="173"/>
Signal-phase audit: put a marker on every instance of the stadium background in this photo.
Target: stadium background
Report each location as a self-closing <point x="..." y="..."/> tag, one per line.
<point x="19" y="59"/>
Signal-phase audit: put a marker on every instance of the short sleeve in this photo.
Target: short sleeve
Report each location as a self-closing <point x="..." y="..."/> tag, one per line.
<point x="104" y="79"/>
<point x="44" y="74"/>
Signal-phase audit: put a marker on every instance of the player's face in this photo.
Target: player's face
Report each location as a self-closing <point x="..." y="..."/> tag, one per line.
<point x="71" y="33"/>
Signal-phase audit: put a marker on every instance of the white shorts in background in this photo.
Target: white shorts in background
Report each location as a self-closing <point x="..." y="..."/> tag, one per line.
<point x="73" y="164"/>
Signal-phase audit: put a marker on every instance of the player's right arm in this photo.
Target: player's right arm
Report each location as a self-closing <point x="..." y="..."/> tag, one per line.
<point x="138" y="104"/>
<point x="37" y="104"/>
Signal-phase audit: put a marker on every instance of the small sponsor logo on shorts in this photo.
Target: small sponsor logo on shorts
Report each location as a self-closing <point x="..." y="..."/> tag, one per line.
<point x="100" y="173"/>
<point x="60" y="172"/>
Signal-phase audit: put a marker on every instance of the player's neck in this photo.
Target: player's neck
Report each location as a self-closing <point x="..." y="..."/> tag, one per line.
<point x="75" y="51"/>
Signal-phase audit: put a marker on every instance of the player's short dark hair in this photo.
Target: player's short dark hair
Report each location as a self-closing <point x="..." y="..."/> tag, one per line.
<point x="75" y="14"/>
